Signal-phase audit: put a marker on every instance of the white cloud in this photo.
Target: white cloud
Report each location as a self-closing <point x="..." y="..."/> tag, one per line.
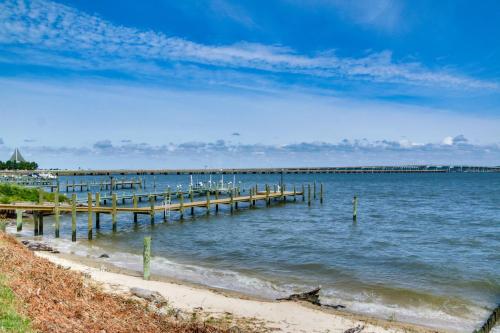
<point x="56" y="32"/>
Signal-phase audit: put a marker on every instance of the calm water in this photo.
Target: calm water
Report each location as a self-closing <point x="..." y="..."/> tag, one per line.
<point x="425" y="248"/>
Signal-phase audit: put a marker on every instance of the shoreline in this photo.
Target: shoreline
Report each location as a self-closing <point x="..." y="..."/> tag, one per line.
<point x="285" y="316"/>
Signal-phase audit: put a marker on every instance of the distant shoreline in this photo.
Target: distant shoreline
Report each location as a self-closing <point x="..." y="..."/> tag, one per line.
<point x="287" y="170"/>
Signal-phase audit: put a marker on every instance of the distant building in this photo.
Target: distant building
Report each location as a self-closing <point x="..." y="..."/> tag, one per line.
<point x="17" y="157"/>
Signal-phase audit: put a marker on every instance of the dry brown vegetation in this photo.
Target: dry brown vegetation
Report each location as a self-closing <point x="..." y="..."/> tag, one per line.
<point x="60" y="300"/>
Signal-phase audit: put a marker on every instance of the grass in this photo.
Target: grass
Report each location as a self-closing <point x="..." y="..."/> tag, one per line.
<point x="14" y="193"/>
<point x="10" y="319"/>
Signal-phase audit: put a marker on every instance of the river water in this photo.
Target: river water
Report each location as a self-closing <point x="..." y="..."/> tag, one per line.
<point x="425" y="247"/>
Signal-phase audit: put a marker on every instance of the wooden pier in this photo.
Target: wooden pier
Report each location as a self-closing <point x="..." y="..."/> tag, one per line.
<point x="94" y="207"/>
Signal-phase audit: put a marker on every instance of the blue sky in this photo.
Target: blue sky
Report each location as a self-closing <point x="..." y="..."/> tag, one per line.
<point x="222" y="83"/>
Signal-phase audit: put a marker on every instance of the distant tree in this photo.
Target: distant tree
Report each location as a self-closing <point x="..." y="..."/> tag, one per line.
<point x="9" y="165"/>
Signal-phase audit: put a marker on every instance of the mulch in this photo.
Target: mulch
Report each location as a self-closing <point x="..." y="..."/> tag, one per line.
<point x="59" y="300"/>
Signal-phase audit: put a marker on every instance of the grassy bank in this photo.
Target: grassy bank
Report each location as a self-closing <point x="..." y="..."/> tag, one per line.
<point x="58" y="300"/>
<point x="11" y="320"/>
<point x="13" y="193"/>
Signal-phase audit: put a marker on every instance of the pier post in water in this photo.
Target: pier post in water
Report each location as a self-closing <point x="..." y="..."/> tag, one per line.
<point x="268" y="201"/>
<point x="231" y="202"/>
<point x="73" y="217"/>
<point x="57" y="213"/>
<point x="314" y="190"/>
<point x="113" y="211"/>
<point x="355" y="208"/>
<point x="134" y="203"/>
<point x="321" y="193"/>
<point x="19" y="220"/>
<point x="35" y="223"/>
<point x="152" y="209"/>
<point x="97" y="214"/>
<point x="251" y="198"/>
<point x="40" y="214"/>
<point x="303" y="193"/>
<point x="146" y="258"/>
<point x="216" y="198"/>
<point x="89" y="210"/>
<point x="236" y="203"/>
<point x="294" y="193"/>
<point x="208" y="202"/>
<point x="181" y="206"/>
<point x="309" y="194"/>
<point x="191" y="198"/>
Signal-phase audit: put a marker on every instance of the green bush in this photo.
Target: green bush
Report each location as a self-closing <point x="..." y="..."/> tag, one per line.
<point x="13" y="193"/>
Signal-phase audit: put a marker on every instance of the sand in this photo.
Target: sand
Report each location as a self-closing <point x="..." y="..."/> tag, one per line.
<point x="284" y="316"/>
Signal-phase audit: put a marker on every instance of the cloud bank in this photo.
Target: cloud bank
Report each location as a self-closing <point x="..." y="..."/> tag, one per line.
<point x="220" y="153"/>
<point x="50" y="34"/>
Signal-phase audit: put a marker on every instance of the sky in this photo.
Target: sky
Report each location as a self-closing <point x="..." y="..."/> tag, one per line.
<point x="218" y="83"/>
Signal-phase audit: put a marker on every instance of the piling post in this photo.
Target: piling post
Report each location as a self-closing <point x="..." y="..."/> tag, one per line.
<point x="134" y="202"/>
<point x="35" y="222"/>
<point x="321" y="193"/>
<point x="146" y="255"/>
<point x="19" y="220"/>
<point x="314" y="190"/>
<point x="89" y="210"/>
<point x="113" y="211"/>
<point x="191" y="198"/>
<point x="231" y="201"/>
<point x="268" y="191"/>
<point x="251" y="198"/>
<point x="309" y="194"/>
<point x="236" y="203"/>
<point x="181" y="206"/>
<point x="216" y="198"/>
<point x="208" y="202"/>
<point x="283" y="189"/>
<point x="73" y="217"/>
<point x="294" y="193"/>
<point x="303" y="193"/>
<point x="97" y="214"/>
<point x="355" y="208"/>
<point x="152" y="209"/>
<point x="40" y="224"/>
<point x="56" y="212"/>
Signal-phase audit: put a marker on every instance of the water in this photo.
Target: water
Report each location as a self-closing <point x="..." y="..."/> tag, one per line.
<point x="425" y="248"/>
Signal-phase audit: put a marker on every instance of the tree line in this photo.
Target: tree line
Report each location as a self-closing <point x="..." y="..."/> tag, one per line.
<point x="10" y="165"/>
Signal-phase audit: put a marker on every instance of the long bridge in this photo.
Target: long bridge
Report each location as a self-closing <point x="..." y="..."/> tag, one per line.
<point x="288" y="170"/>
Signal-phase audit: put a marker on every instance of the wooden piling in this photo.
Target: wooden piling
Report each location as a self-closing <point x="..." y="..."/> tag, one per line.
<point x="268" y="201"/>
<point x="181" y="207"/>
<point x="355" y="208"/>
<point x="236" y="202"/>
<point x="89" y="210"/>
<point x="73" y="217"/>
<point x="57" y="213"/>
<point x="146" y="255"/>
<point x="231" y="202"/>
<point x="35" y="223"/>
<point x="309" y="194"/>
<point x="294" y="193"/>
<point x="134" y="203"/>
<point x="208" y="202"/>
<point x="97" y="214"/>
<point x="321" y="193"/>
<point x="113" y="211"/>
<point x="216" y="198"/>
<point x="19" y="220"/>
<point x="152" y="209"/>
<point x="191" y="198"/>
<point x="251" y="198"/>
<point x="314" y="190"/>
<point x="303" y="193"/>
<point x="40" y="224"/>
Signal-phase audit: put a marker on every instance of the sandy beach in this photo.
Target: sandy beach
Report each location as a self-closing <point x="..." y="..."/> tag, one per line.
<point x="284" y="316"/>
